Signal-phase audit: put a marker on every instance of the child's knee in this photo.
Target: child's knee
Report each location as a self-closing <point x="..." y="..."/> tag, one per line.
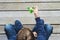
<point x="48" y="27"/>
<point x="8" y="26"/>
<point x="49" y="30"/>
<point x="17" y="22"/>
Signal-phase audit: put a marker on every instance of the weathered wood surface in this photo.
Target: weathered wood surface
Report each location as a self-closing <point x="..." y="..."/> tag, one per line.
<point x="29" y="20"/>
<point x="23" y="6"/>
<point x="55" y="37"/>
<point x="27" y="14"/>
<point x="25" y="0"/>
<point x="52" y="17"/>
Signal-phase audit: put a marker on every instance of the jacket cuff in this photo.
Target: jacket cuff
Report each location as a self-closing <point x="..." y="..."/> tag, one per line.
<point x="37" y="19"/>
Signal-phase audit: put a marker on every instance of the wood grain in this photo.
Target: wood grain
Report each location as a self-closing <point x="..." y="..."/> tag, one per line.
<point x="23" y="6"/>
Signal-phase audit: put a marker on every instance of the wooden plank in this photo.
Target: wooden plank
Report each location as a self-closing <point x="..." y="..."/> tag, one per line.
<point x="55" y="37"/>
<point x="49" y="17"/>
<point x="29" y="20"/>
<point x="3" y="37"/>
<point x="56" y="28"/>
<point x="25" y="0"/>
<point x="27" y="14"/>
<point x="23" y="6"/>
<point x="2" y="29"/>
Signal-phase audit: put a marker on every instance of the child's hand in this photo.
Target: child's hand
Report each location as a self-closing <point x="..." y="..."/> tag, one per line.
<point x="36" y="12"/>
<point x="35" y="34"/>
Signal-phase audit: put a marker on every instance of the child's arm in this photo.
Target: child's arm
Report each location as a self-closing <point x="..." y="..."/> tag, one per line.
<point x="39" y="22"/>
<point x="37" y="17"/>
<point x="39" y="27"/>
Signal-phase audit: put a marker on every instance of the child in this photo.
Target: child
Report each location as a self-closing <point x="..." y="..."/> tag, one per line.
<point x="41" y="31"/>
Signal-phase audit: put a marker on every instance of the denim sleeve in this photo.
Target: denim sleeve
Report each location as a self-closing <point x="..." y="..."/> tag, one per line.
<point x="39" y="25"/>
<point x="39" y="28"/>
